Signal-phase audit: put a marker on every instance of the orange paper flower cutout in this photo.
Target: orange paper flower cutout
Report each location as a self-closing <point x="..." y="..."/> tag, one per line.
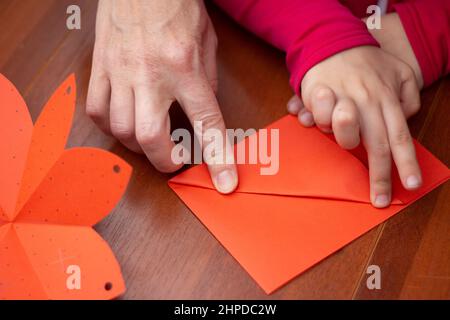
<point x="49" y="200"/>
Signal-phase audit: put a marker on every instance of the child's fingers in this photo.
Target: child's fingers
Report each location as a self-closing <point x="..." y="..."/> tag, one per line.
<point x="410" y="97"/>
<point x="322" y="105"/>
<point x="122" y="116"/>
<point x="294" y="105"/>
<point x="379" y="156"/>
<point x="402" y="146"/>
<point x="345" y="124"/>
<point x="306" y="118"/>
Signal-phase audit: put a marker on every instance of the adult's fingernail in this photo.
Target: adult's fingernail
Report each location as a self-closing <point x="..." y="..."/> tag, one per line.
<point x="307" y="119"/>
<point x="225" y="181"/>
<point x="413" y="182"/>
<point x="381" y="201"/>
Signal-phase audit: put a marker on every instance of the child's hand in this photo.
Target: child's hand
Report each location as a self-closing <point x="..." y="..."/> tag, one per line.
<point x="366" y="91"/>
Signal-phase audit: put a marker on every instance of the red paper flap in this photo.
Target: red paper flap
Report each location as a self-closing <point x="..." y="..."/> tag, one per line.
<point x="313" y="166"/>
<point x="309" y="165"/>
<point x="434" y="172"/>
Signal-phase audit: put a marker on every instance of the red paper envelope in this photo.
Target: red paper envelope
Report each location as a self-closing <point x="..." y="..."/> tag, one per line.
<point x="278" y="226"/>
<point x="49" y="199"/>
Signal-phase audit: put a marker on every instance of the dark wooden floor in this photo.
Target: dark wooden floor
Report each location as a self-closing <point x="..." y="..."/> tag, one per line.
<point x="164" y="251"/>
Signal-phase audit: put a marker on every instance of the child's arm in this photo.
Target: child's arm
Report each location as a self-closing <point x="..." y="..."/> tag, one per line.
<point x="427" y="25"/>
<point x="308" y="31"/>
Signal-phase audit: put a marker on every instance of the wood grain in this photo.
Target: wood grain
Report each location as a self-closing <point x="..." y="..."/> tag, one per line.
<point x="164" y="251"/>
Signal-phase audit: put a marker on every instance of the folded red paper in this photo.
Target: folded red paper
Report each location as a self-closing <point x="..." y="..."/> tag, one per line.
<point x="49" y="200"/>
<point x="278" y="226"/>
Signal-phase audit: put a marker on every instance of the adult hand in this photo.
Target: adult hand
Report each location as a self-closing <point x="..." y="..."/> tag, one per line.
<point x="147" y="55"/>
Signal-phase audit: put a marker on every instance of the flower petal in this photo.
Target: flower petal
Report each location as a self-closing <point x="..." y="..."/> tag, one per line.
<point x="15" y="131"/>
<point x="49" y="137"/>
<point x="64" y="256"/>
<point x="82" y="187"/>
<point x="17" y="277"/>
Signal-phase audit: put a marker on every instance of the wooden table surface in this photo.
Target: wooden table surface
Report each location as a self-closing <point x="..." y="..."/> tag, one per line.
<point x="164" y="251"/>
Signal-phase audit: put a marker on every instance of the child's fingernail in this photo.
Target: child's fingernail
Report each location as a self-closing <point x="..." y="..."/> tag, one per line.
<point x="413" y="182"/>
<point x="225" y="181"/>
<point x="326" y="130"/>
<point x="306" y="119"/>
<point x="293" y="107"/>
<point x="381" y="201"/>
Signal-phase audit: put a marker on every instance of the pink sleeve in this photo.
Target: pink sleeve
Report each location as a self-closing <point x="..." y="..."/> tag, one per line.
<point x="308" y="31"/>
<point x="427" y="25"/>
